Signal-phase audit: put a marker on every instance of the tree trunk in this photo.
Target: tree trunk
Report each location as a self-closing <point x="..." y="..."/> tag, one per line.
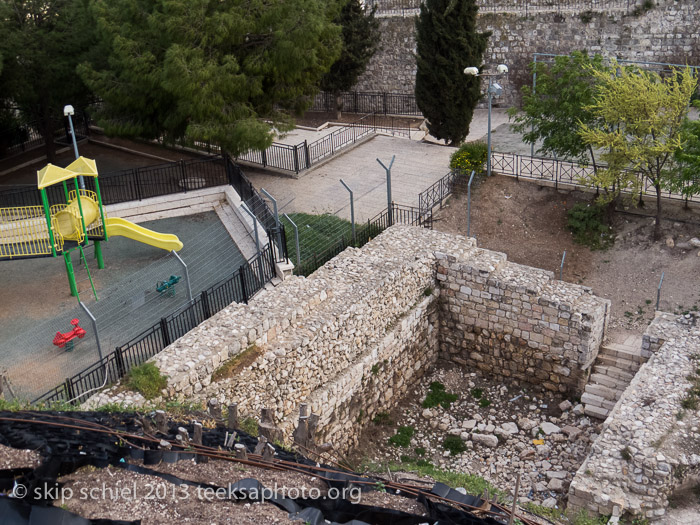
<point x="657" y="223"/>
<point x="46" y="130"/>
<point x="610" y="210"/>
<point x="338" y="105"/>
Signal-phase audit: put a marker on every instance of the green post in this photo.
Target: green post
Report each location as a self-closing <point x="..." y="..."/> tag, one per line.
<point x="65" y="192"/>
<point x="102" y="211"/>
<point x="71" y="275"/>
<point x="45" y="201"/>
<point x="98" y="255"/>
<point x="80" y="207"/>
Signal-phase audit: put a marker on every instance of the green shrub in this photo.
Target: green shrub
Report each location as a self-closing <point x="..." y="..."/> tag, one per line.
<point x="147" y="380"/>
<point x="249" y="425"/>
<point x="470" y="156"/>
<point x="420" y="451"/>
<point x="454" y="444"/>
<point x="438" y="396"/>
<point x="587" y="223"/>
<point x="476" y="393"/>
<point x="403" y="436"/>
<point x="483" y="403"/>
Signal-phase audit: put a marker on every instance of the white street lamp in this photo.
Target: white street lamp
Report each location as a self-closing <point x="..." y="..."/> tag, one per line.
<point x="494" y="90"/>
<point x="68" y="111"/>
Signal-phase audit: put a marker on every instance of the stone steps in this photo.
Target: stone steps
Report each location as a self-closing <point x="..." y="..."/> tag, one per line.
<point x="613" y="370"/>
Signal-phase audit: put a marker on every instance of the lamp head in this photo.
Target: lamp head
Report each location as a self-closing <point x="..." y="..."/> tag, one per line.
<point x="502" y="69"/>
<point x="68" y="110"/>
<point x="474" y="71"/>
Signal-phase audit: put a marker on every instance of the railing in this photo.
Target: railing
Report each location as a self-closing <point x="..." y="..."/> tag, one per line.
<point x="399" y="214"/>
<point x="563" y="172"/>
<point x="440" y="190"/>
<point x="382" y="103"/>
<point x="28" y="137"/>
<point x="412" y="7"/>
<point x="239" y="288"/>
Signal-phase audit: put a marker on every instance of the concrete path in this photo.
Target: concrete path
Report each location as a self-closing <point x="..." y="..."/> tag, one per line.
<point x="417" y="166"/>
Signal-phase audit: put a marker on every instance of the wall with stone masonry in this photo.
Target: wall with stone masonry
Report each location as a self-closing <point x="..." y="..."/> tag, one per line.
<point x="518" y="322"/>
<point x="352" y="337"/>
<point x="666" y="33"/>
<point x="645" y="449"/>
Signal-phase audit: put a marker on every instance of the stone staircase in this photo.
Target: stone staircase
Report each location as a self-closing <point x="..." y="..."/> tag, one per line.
<point x="616" y="365"/>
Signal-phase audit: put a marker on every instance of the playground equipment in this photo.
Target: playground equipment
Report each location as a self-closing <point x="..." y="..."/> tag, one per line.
<point x="168" y="287"/>
<point x="66" y="340"/>
<point x="58" y="229"/>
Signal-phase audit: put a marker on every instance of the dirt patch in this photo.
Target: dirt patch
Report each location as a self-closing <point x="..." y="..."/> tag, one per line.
<point x="528" y="223"/>
<point x="13" y="458"/>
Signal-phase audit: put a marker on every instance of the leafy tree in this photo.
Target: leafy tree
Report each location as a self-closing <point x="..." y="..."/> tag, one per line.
<point x="360" y="41"/>
<point x="688" y="158"/>
<point x="42" y="43"/>
<point x="552" y="111"/>
<point x="447" y="42"/>
<point x="638" y="116"/>
<point x="230" y="73"/>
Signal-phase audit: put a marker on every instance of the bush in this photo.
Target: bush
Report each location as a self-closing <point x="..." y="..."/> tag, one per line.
<point x="470" y="156"/>
<point x="147" y="380"/>
<point x="454" y="444"/>
<point x="587" y="223"/>
<point x="403" y="436"/>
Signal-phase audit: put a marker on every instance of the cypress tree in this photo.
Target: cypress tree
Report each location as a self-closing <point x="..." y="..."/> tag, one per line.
<point x="447" y="42"/>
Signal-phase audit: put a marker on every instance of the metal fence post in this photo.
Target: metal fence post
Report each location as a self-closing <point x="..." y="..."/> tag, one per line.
<point x="187" y="274"/>
<point x="352" y="210"/>
<point x="183" y="171"/>
<point x="164" y="332"/>
<point x="241" y="271"/>
<point x="306" y="154"/>
<point x="561" y="267"/>
<point x="255" y="226"/>
<point x="94" y="327"/>
<point x="277" y="219"/>
<point x="658" y="291"/>
<point x="469" y="204"/>
<point x="296" y="238"/>
<point x="119" y="362"/>
<point x="296" y="159"/>
<point x="388" y="187"/>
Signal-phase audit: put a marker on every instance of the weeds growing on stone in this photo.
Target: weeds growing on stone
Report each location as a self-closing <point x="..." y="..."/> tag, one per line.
<point x="383" y="418"/>
<point x="250" y="426"/>
<point x="438" y="396"/>
<point x="626" y="454"/>
<point x="476" y="393"/>
<point x="420" y="451"/>
<point x="483" y="403"/>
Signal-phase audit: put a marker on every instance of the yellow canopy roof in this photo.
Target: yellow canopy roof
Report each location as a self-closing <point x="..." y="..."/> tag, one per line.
<point x="50" y="174"/>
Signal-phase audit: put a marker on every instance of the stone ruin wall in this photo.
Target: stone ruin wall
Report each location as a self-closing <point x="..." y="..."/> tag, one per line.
<point x="666" y="33"/>
<point x="350" y="339"/>
<point x="519" y="323"/>
<point x="645" y="450"/>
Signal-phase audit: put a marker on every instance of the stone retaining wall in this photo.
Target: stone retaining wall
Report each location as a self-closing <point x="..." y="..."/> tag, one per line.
<point x="666" y="33"/>
<point x="352" y="337"/>
<point x="517" y="322"/>
<point x="649" y="444"/>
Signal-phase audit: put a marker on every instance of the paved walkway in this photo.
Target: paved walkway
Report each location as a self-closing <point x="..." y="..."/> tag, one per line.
<point x="417" y="166"/>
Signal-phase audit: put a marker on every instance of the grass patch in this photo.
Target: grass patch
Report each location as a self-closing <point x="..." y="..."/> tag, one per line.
<point x="231" y="366"/>
<point x="474" y="485"/>
<point x="316" y="233"/>
<point x="476" y="393"/>
<point x="438" y="396"/>
<point x="249" y="425"/>
<point x="147" y="380"/>
<point x="454" y="444"/>
<point x="420" y="451"/>
<point x="483" y="403"/>
<point x="383" y="418"/>
<point x="403" y="436"/>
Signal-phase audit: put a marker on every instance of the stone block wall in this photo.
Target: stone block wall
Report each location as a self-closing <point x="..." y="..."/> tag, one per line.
<point x="666" y="33"/>
<point x="518" y="322"/>
<point x="648" y="445"/>
<point x="352" y="337"/>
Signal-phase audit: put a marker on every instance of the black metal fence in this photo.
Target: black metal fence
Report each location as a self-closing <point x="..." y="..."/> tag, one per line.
<point x="563" y="172"/>
<point x="398" y="214"/>
<point x="440" y="190"/>
<point x="27" y="136"/>
<point x="382" y="103"/>
<point x="239" y="287"/>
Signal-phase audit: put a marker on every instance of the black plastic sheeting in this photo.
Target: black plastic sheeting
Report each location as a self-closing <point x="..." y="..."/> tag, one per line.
<point x="65" y="450"/>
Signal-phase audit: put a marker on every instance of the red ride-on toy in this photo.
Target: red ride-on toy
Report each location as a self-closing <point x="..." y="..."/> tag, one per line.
<point x="66" y="340"/>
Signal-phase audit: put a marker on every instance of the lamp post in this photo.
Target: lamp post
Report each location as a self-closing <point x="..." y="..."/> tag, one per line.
<point x="68" y="111"/>
<point x="494" y="89"/>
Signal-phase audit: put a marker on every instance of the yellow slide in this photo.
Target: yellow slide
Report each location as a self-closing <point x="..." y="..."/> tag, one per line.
<point x="116" y="227"/>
